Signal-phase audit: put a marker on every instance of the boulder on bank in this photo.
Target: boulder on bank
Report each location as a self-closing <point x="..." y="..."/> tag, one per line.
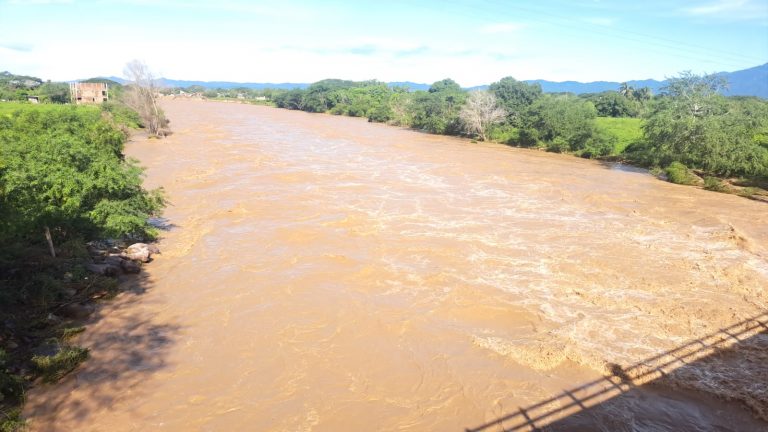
<point x="109" y="263"/>
<point x="139" y="252"/>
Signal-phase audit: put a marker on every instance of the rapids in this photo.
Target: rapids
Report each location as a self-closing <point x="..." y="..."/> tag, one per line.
<point x="322" y="273"/>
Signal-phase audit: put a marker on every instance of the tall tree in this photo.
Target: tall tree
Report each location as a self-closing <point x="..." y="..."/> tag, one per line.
<point x="692" y="123"/>
<point x="626" y="90"/>
<point x="515" y="97"/>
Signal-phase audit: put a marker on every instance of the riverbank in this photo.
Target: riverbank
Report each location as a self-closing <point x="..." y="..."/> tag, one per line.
<point x="325" y="273"/>
<point x="64" y="179"/>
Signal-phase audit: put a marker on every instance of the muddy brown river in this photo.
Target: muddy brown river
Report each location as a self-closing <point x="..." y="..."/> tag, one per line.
<point x="322" y="273"/>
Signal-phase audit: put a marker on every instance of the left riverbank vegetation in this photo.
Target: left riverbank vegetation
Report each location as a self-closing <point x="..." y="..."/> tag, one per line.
<point x="67" y="192"/>
<point x="721" y="142"/>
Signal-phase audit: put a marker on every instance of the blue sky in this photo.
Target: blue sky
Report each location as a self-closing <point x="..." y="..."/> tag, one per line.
<point x="473" y="42"/>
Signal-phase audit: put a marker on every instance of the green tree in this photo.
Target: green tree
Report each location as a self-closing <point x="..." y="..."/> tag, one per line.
<point x="445" y="86"/>
<point x="564" y="119"/>
<point x="437" y="110"/>
<point x="291" y="99"/>
<point x="55" y="92"/>
<point x="63" y="174"/>
<point x="694" y="124"/>
<point x="626" y="90"/>
<point x="515" y="97"/>
<point x="612" y="104"/>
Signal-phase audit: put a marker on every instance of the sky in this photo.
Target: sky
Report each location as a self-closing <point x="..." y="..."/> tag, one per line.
<point x="473" y="42"/>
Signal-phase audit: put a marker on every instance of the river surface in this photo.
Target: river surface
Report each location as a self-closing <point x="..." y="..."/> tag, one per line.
<point x="322" y="273"/>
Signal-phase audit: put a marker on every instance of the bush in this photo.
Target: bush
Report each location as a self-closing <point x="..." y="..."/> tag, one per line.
<point x="122" y="115"/>
<point x="558" y="145"/>
<point x="504" y="134"/>
<point x="715" y="184"/>
<point x="63" y="168"/>
<point x="528" y="137"/>
<point x="680" y="174"/>
<point x="600" y="145"/>
<point x="569" y="118"/>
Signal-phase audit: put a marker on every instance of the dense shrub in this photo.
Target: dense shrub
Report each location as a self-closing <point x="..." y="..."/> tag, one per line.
<point x="570" y="119"/>
<point x="63" y="168"/>
<point x="680" y="174"/>
<point x="715" y="184"/>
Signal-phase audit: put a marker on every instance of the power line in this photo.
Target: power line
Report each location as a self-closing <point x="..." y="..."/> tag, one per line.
<point x="611" y="31"/>
<point x="677" y="49"/>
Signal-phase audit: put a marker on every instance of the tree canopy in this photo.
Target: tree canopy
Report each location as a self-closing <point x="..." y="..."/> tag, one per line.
<point x="62" y="167"/>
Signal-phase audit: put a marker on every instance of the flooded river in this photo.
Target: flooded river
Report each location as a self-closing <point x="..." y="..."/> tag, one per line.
<point x="322" y="273"/>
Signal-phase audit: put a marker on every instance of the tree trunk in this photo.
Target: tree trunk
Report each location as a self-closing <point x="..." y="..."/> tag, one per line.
<point x="50" y="241"/>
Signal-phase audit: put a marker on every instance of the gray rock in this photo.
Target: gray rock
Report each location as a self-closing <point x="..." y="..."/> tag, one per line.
<point x="129" y="266"/>
<point x="103" y="269"/>
<point x="114" y="260"/>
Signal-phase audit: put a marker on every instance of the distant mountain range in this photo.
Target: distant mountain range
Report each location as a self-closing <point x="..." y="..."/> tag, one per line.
<point x="747" y="82"/>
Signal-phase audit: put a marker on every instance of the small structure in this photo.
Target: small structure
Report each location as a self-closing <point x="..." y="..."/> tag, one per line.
<point x="33" y="99"/>
<point x="89" y="93"/>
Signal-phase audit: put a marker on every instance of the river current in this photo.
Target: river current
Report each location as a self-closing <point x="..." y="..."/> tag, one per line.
<point x="322" y="273"/>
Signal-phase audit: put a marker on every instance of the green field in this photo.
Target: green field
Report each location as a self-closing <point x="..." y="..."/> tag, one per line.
<point x="9" y="107"/>
<point x="626" y="130"/>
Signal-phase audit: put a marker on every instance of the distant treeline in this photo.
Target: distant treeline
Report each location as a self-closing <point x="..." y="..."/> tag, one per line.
<point x="689" y="122"/>
<point x="20" y="87"/>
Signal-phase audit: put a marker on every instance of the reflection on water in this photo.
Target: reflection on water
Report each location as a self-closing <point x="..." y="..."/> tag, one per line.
<point x="330" y="274"/>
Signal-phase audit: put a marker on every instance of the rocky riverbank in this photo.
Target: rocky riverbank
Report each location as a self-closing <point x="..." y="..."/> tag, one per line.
<point x="38" y="340"/>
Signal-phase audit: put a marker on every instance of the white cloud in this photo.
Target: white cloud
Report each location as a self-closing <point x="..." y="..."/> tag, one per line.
<point x="601" y="21"/>
<point x="508" y="27"/>
<point x="731" y="9"/>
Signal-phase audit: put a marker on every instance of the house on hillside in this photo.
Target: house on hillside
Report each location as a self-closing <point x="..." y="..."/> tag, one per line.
<point x="89" y="93"/>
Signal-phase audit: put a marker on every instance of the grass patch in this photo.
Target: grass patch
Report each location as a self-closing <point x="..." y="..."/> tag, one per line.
<point x="55" y="367"/>
<point x="6" y="108"/>
<point x="626" y="130"/>
<point x="680" y="174"/>
<point x="10" y="420"/>
<point x="749" y="192"/>
<point x="504" y="134"/>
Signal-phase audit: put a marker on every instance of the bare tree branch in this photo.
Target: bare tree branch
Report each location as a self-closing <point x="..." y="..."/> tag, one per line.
<point x="141" y="96"/>
<point x="481" y="112"/>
